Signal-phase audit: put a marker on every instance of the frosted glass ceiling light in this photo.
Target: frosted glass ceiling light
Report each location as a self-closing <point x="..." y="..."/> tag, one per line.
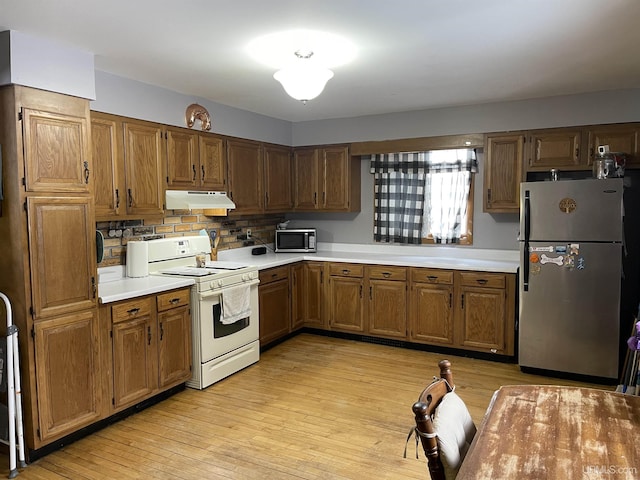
<point x="303" y="80"/>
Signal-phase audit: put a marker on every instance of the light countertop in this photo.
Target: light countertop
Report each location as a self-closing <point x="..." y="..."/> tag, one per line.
<point x="114" y="285"/>
<point x="452" y="258"/>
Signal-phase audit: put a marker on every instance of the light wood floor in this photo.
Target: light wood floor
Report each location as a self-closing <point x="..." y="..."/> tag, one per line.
<point x="312" y="408"/>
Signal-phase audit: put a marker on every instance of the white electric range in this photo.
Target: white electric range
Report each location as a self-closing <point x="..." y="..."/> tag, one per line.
<point x="222" y="343"/>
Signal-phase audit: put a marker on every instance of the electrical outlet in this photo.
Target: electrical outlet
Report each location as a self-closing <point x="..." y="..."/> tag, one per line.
<point x="248" y="233"/>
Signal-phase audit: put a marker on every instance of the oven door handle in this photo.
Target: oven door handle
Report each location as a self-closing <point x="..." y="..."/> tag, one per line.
<point x="218" y="291"/>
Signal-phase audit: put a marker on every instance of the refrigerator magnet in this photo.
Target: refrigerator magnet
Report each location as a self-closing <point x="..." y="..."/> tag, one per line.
<point x="534" y="257"/>
<point x="561" y="249"/>
<point x="534" y="269"/>
<point x="580" y="263"/>
<point x="542" y="249"/>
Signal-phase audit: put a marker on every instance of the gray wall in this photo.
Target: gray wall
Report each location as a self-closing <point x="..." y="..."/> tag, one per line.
<point x="493" y="231"/>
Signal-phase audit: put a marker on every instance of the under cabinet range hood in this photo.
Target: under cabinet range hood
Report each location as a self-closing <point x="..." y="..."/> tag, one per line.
<point x="196" y="200"/>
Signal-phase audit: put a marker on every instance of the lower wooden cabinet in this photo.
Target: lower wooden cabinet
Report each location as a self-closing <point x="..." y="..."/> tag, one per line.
<point x="275" y="304"/>
<point x="387" y="312"/>
<point x="68" y="374"/>
<point x="345" y="297"/>
<point x="467" y="310"/>
<point x="150" y="346"/>
<point x="486" y="312"/>
<point x="431" y="306"/>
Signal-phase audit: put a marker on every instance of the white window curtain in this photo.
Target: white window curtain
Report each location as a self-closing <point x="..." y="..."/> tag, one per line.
<point x="447" y="186"/>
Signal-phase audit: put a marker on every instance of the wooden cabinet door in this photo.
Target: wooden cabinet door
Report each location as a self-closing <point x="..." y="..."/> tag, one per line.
<point x="482" y="319"/>
<point x="335" y="179"/>
<point x="503" y="161"/>
<point x="182" y="158"/>
<point x="274" y="310"/>
<point x="212" y="162"/>
<point x="305" y="178"/>
<point x="244" y="160"/>
<point x="68" y="373"/>
<point x="556" y="148"/>
<point x="277" y="179"/>
<point x="346" y="310"/>
<point x="314" y="295"/>
<point x="620" y="138"/>
<point x="108" y="164"/>
<point x="174" y="346"/>
<point x="298" y="295"/>
<point x="62" y="254"/>
<point x="134" y="349"/>
<point x="57" y="152"/>
<point x="388" y="308"/>
<point x="431" y="313"/>
<point x="144" y="154"/>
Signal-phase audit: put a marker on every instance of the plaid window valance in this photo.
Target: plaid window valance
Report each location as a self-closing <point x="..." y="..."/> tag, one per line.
<point x="435" y="161"/>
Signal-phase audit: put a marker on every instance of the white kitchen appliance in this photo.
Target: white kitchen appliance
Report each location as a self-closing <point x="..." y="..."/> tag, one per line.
<point x="222" y="344"/>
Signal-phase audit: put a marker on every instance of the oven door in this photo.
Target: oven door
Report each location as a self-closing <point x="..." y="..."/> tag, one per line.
<point x="217" y="338"/>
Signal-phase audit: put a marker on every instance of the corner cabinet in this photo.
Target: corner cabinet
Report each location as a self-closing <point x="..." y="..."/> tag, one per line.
<point x="504" y="158"/>
<point x="326" y="179"/>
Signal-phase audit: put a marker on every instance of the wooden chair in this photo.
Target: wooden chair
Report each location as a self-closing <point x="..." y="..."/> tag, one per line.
<point x="445" y="449"/>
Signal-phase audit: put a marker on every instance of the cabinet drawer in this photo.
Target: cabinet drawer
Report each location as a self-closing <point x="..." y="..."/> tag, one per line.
<point x="431" y="275"/>
<point x="482" y="279"/>
<point x="274" y="274"/>
<point x="173" y="299"/>
<point x="346" y="270"/>
<point x="131" y="309"/>
<point x="387" y="273"/>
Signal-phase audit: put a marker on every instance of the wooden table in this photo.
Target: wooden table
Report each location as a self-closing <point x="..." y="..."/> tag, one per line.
<point x="553" y="432"/>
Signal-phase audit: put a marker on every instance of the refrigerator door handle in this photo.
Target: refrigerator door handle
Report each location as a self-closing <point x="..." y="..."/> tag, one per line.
<point x="527" y="231"/>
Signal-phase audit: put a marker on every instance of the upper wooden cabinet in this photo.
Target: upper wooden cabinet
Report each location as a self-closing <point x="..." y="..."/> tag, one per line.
<point x="244" y="162"/>
<point x="144" y="151"/>
<point x="555" y="148"/>
<point x="277" y="179"/>
<point x="129" y="158"/>
<point x="195" y="160"/>
<point x="620" y="138"/>
<point x="503" y="157"/>
<point x="57" y="154"/>
<point x="326" y="179"/>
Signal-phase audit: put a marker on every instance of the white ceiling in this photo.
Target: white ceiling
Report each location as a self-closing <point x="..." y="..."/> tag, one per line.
<point x="412" y="54"/>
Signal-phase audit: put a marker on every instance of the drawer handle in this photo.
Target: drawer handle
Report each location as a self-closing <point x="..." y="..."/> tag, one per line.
<point x="133" y="311"/>
<point x="481" y="281"/>
<point x="173" y="301"/>
<point x="386" y="274"/>
<point x="274" y="275"/>
<point x="346" y="272"/>
<point x="432" y="278"/>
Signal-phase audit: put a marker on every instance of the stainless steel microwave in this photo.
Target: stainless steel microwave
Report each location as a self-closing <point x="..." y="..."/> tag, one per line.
<point x="295" y="240"/>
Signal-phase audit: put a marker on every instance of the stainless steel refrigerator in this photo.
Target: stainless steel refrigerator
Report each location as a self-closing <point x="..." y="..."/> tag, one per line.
<point x="570" y="275"/>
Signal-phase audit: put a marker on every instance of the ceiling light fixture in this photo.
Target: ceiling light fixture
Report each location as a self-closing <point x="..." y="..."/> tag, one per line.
<point x="305" y="73"/>
<point x="303" y="80"/>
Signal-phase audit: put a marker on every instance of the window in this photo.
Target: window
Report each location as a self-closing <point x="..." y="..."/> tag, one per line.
<point x="424" y="197"/>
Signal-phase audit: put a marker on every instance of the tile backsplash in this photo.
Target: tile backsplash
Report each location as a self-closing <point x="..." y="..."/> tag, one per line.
<point x="231" y="231"/>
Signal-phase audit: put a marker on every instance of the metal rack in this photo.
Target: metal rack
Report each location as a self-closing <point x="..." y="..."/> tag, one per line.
<point x="10" y="370"/>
